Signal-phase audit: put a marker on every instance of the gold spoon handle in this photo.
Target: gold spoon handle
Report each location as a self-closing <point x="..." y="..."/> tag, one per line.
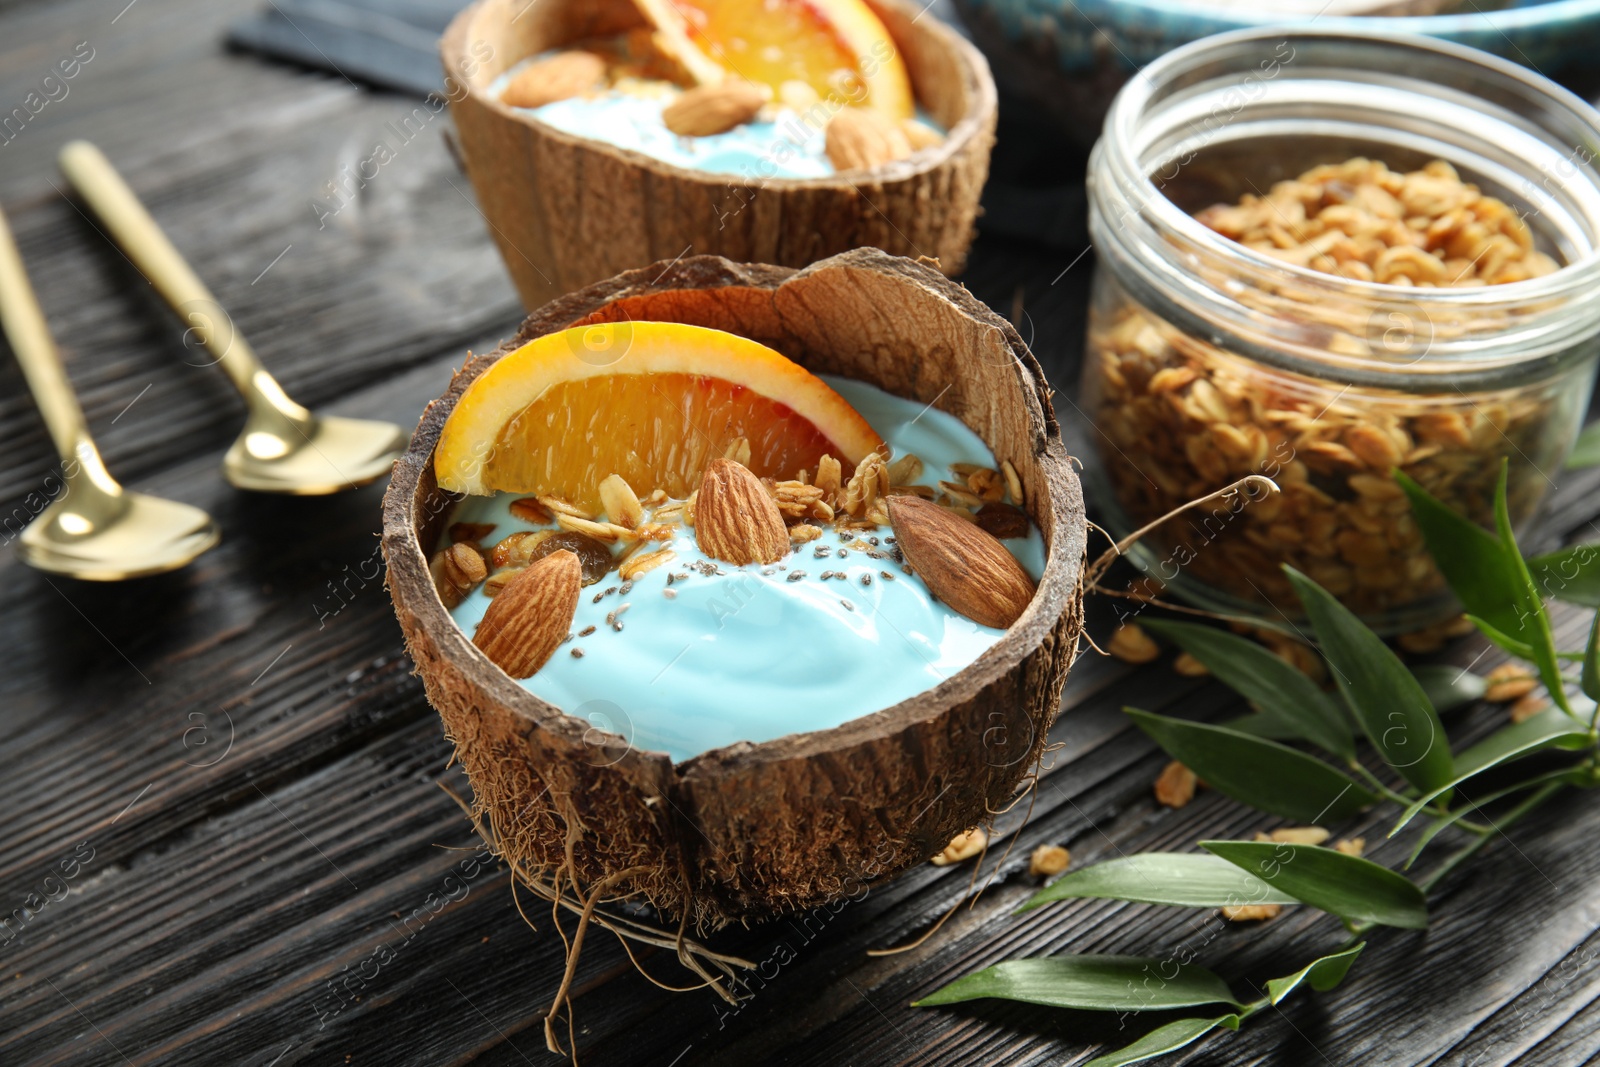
<point x="25" y="327"/>
<point x="98" y="182"/>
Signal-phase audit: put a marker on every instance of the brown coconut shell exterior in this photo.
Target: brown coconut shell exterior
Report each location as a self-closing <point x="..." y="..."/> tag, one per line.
<point x="566" y="211"/>
<point x="758" y="828"/>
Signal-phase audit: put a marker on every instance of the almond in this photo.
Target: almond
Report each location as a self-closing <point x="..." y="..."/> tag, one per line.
<point x="962" y="564"/>
<point x="711" y="109"/>
<point x="563" y="75"/>
<point x="531" y="615"/>
<point x="735" y="518"/>
<point x="859" y="139"/>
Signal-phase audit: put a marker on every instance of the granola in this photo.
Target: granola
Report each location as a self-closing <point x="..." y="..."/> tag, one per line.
<point x="1183" y="417"/>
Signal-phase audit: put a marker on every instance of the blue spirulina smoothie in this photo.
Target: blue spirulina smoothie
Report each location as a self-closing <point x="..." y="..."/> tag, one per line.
<point x="704" y="653"/>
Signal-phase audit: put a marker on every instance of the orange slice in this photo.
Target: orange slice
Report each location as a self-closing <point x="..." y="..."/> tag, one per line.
<point x="652" y="401"/>
<point x="838" y="48"/>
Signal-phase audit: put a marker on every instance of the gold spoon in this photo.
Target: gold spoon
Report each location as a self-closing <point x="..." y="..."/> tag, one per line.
<point x="95" y="529"/>
<point x="284" y="448"/>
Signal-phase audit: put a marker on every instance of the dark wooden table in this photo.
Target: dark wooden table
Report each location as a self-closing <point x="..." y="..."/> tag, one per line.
<point x="243" y="778"/>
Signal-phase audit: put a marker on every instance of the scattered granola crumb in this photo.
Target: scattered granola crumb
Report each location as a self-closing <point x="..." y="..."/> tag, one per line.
<point x="1048" y="860"/>
<point x="1508" y="682"/>
<point x="1189" y="667"/>
<point x="586" y="631"/>
<point x="1350" y="846"/>
<point x="1299" y="835"/>
<point x="1175" y="787"/>
<point x="1132" y="645"/>
<point x="1240" y="913"/>
<point x="963" y="846"/>
<point x="1527" y="707"/>
<point x="905" y="569"/>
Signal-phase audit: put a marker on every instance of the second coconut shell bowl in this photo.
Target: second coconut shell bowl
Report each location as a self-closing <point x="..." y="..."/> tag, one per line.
<point x="567" y="211"/>
<point x="756" y="829"/>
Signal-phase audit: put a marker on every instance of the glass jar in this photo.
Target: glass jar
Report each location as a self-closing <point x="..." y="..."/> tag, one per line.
<point x="1208" y="360"/>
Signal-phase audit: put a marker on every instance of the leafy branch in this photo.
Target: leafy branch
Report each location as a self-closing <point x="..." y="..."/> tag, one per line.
<point x="1298" y="756"/>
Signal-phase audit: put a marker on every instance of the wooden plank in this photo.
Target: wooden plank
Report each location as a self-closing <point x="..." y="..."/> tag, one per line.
<point x="334" y="289"/>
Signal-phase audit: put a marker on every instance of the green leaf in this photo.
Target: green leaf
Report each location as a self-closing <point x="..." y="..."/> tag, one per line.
<point x="1183" y="879"/>
<point x="1469" y="557"/>
<point x="1164" y="1039"/>
<point x="1548" y="729"/>
<point x="1321" y="975"/>
<point x="1591" y="661"/>
<point x="1586" y="453"/>
<point x="1571" y="574"/>
<point x="1449" y="687"/>
<point x="1264" y="774"/>
<point x="1275" y="687"/>
<point x="1519" y="649"/>
<point x="1350" y="887"/>
<point x="1089" y="983"/>
<point x="1386" y="698"/>
<point x="1534" y="622"/>
<point x="1444" y="822"/>
<point x="1269" y="726"/>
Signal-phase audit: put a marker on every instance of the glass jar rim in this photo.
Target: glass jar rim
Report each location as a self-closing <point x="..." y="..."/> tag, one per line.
<point x="1120" y="170"/>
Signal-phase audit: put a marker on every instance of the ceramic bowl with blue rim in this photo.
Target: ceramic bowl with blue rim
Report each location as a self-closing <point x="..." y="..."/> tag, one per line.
<point x="1071" y="56"/>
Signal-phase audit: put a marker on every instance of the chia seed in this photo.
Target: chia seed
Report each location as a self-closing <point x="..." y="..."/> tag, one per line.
<point x="627" y="587"/>
<point x="822" y="551"/>
<point x="886" y="576"/>
<point x="866" y="579"/>
<point x="888" y="540"/>
<point x="768" y="572"/>
<point x="847" y="605"/>
<point x="670" y="594"/>
<point x="577" y="653"/>
<point x="795" y="576"/>
<point x="905" y="569"/>
<point x="872" y="540"/>
<point x="843" y="552"/>
<point x="586" y="631"/>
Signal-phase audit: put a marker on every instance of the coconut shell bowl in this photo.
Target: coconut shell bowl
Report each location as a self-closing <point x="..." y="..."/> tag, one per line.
<point x="567" y="211"/>
<point x="757" y="829"/>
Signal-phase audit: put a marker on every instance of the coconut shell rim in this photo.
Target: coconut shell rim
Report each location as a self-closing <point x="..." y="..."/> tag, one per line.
<point x="959" y="138"/>
<point x="1058" y="585"/>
